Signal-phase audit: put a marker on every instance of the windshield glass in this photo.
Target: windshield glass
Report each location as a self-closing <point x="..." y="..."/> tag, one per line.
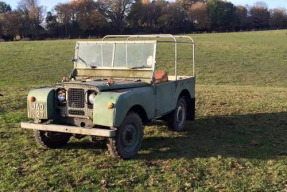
<point x="120" y="54"/>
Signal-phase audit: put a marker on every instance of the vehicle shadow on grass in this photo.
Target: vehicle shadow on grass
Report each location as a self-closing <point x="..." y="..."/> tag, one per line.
<point x="85" y="144"/>
<point x="253" y="136"/>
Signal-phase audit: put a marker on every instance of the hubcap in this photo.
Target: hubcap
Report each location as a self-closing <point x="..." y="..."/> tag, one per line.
<point x="130" y="137"/>
<point x="180" y="115"/>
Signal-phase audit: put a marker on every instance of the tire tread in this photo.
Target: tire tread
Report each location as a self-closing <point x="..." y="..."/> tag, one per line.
<point x="112" y="142"/>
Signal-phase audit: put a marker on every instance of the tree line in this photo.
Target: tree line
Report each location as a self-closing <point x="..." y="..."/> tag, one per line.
<point x="89" y="18"/>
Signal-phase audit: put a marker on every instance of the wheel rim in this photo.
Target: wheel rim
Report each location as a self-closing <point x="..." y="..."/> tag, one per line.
<point x="180" y="115"/>
<point x="130" y="137"/>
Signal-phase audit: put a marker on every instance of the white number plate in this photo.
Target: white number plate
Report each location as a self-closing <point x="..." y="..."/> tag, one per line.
<point x="37" y="110"/>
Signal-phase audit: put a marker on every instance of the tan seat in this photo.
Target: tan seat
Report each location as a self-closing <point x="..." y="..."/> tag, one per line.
<point x="161" y="76"/>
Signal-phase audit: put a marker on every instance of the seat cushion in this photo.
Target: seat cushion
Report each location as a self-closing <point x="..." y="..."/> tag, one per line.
<point x="161" y="76"/>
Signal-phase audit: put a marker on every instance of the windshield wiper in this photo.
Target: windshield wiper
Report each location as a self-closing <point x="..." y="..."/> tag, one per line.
<point x="81" y="59"/>
<point x="140" y="67"/>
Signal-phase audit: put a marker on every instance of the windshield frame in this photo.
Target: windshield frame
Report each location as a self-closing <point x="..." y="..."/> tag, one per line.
<point x="151" y="68"/>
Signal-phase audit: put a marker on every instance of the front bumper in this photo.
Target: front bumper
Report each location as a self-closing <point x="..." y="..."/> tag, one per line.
<point x="69" y="129"/>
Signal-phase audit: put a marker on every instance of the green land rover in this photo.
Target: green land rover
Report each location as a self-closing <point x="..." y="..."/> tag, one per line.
<point x="113" y="91"/>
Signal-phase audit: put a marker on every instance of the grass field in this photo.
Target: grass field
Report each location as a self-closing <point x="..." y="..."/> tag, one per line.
<point x="237" y="143"/>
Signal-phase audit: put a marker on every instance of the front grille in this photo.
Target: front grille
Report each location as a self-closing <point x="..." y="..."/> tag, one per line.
<point x="76" y="112"/>
<point x="77" y="105"/>
<point x="76" y="98"/>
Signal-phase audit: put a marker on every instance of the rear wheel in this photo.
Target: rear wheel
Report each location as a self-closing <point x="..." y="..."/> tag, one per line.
<point x="49" y="139"/>
<point x="128" y="138"/>
<point x="177" y="118"/>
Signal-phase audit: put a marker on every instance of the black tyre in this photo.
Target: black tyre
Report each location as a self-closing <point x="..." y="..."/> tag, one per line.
<point x="49" y="139"/>
<point x="128" y="138"/>
<point x="177" y="118"/>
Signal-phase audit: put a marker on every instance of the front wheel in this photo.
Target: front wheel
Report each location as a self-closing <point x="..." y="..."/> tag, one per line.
<point x="128" y="138"/>
<point x="49" y="139"/>
<point x="177" y="118"/>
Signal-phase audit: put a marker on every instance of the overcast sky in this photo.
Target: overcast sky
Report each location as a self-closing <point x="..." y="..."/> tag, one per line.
<point x="49" y="4"/>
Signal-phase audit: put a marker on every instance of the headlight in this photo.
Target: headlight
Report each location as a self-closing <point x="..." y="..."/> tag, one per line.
<point x="61" y="96"/>
<point x="92" y="97"/>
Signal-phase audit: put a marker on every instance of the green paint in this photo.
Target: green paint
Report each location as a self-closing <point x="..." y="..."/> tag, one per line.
<point x="125" y="85"/>
<point x="143" y="97"/>
<point x="101" y="114"/>
<point x="125" y="93"/>
<point x="43" y="96"/>
<point x="123" y="100"/>
<point x="156" y="100"/>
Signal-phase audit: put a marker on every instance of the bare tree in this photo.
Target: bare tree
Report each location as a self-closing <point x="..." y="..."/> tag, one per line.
<point x="172" y="19"/>
<point x="4" y="8"/>
<point x="34" y="16"/>
<point x="116" y="11"/>
<point x="88" y="16"/>
<point x="135" y="16"/>
<point x="260" y="16"/>
<point x="278" y="18"/>
<point x="242" y="17"/>
<point x="11" y="24"/>
<point x="64" y="15"/>
<point x="200" y="16"/>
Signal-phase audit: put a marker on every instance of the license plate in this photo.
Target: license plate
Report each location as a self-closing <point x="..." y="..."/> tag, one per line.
<point x="37" y="110"/>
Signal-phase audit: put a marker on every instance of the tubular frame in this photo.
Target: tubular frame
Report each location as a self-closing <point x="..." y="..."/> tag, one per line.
<point x="161" y="36"/>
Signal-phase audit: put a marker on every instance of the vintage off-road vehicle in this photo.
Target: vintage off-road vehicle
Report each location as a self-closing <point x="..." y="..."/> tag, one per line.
<point x="113" y="91"/>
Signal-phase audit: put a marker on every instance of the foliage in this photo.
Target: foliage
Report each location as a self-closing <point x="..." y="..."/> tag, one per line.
<point x="200" y="17"/>
<point x="11" y="25"/>
<point x="260" y="16"/>
<point x="77" y="18"/>
<point x="172" y="19"/>
<point x="4" y="7"/>
<point x="32" y="15"/>
<point x="222" y="14"/>
<point x="241" y="18"/>
<point x="278" y="18"/>
<point x="115" y="12"/>
<point x="90" y="18"/>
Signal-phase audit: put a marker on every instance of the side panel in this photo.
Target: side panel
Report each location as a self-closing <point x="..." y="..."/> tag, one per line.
<point x="186" y="84"/>
<point x="168" y="93"/>
<point x="143" y="97"/>
<point x="44" y="106"/>
<point x="123" y="101"/>
<point x="166" y="97"/>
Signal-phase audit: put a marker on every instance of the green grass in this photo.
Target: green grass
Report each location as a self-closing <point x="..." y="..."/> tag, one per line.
<point x="237" y="143"/>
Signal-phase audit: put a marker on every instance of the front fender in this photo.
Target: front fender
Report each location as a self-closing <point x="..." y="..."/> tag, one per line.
<point x="45" y="98"/>
<point x="123" y="102"/>
<point x="101" y="114"/>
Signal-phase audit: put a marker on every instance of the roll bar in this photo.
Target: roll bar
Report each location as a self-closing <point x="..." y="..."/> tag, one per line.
<point x="162" y="36"/>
